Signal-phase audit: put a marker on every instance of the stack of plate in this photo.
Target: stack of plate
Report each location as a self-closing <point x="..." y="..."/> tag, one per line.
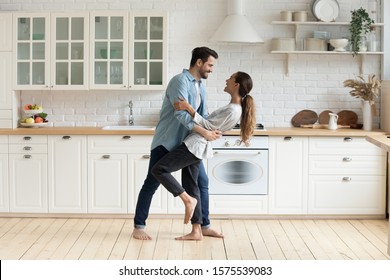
<point x="325" y="10"/>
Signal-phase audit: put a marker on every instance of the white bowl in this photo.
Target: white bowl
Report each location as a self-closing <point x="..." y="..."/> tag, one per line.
<point x="339" y="44"/>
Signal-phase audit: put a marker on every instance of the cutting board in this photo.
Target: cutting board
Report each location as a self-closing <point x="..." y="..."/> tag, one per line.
<point x="322" y="126"/>
<point x="304" y="117"/>
<point x="324" y="117"/>
<point x="347" y="117"/>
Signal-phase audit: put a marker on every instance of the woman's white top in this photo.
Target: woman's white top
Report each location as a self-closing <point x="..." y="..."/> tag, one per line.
<point x="223" y="119"/>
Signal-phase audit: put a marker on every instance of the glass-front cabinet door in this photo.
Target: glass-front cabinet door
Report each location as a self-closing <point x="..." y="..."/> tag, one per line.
<point x="109" y="50"/>
<point x="69" y="60"/>
<point x="148" y="51"/>
<point x="32" y="51"/>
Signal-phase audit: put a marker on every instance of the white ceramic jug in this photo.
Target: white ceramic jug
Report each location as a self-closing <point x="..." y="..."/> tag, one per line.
<point x="333" y="121"/>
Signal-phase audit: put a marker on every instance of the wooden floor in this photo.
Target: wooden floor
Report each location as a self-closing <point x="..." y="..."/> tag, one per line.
<point x="100" y="239"/>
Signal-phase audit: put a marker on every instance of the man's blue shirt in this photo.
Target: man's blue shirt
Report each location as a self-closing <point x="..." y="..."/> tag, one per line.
<point x="173" y="125"/>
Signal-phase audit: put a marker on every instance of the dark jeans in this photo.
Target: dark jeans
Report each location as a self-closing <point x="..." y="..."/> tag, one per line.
<point x="180" y="158"/>
<point x="151" y="184"/>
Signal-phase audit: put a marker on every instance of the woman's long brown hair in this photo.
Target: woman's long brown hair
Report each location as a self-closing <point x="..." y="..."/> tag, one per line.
<point x="248" y="116"/>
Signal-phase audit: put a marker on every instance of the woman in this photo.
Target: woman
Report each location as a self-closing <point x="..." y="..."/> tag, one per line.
<point x="195" y="147"/>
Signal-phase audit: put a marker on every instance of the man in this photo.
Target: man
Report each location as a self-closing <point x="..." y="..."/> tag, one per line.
<point x="171" y="130"/>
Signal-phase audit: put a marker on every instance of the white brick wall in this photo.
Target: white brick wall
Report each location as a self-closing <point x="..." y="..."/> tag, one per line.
<point x="314" y="81"/>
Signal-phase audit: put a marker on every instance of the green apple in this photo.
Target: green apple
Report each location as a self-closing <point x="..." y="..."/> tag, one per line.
<point x="29" y="120"/>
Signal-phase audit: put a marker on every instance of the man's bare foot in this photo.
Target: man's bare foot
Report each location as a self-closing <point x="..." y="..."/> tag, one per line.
<point x="190" y="236"/>
<point x="140" y="233"/>
<point x="212" y="233"/>
<point x="189" y="209"/>
<point x="195" y="234"/>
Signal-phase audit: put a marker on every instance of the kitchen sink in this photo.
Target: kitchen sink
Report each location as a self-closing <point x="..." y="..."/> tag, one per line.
<point x="128" y="127"/>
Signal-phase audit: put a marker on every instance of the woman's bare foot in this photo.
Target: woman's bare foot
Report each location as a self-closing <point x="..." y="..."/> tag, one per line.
<point x="189" y="204"/>
<point x="195" y="234"/>
<point x="140" y="233"/>
<point x="212" y="233"/>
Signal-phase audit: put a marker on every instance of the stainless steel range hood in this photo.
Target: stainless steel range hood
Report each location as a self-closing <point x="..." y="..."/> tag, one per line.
<point x="236" y="28"/>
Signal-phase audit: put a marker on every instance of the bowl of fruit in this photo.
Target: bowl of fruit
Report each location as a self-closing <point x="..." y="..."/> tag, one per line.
<point x="34" y="120"/>
<point x="32" y="109"/>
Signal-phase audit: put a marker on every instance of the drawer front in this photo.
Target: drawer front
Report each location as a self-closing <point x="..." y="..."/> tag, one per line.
<point x="342" y="146"/>
<point x="3" y="139"/>
<point x="3" y="148"/>
<point x="347" y="165"/>
<point x="119" y="144"/>
<point x="28" y="148"/>
<point x="21" y="139"/>
<point x="361" y="195"/>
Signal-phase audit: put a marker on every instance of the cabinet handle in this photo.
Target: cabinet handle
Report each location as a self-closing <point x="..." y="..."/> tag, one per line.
<point x="106" y="156"/>
<point x="347" y="179"/>
<point x="126" y="137"/>
<point x="66" y="137"/>
<point x="27" y="156"/>
<point x="146" y="156"/>
<point x="347" y="139"/>
<point x="287" y="138"/>
<point x="347" y="159"/>
<point x="27" y="148"/>
<point x="27" y="138"/>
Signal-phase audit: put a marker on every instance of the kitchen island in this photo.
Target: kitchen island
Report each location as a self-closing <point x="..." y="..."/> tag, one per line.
<point x="382" y="141"/>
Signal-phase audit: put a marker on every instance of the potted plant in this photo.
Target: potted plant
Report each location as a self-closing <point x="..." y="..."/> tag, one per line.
<point x="360" y="25"/>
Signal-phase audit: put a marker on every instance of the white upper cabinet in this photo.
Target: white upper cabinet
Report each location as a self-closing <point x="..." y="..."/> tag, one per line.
<point x="50" y="51"/>
<point x="108" y="50"/>
<point x="69" y="51"/>
<point x="148" y="51"/>
<point x="32" y="51"/>
<point x="128" y="51"/>
<point x="96" y="50"/>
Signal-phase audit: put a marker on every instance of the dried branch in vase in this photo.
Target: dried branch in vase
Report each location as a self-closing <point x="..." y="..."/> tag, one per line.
<point x="365" y="90"/>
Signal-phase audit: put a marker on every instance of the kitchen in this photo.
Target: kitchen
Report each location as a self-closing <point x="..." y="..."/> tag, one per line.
<point x="284" y="84"/>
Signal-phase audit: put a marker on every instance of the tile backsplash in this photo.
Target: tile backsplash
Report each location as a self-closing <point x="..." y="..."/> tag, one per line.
<point x="313" y="81"/>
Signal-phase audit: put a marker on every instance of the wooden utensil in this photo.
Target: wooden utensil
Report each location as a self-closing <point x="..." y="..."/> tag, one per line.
<point x="347" y="117"/>
<point x="324" y="117"/>
<point x="304" y="117"/>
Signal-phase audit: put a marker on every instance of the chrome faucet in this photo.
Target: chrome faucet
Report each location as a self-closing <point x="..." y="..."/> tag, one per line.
<point x="131" y="118"/>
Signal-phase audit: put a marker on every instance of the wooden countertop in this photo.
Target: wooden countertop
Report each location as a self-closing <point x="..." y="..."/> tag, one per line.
<point x="382" y="141"/>
<point x="288" y="131"/>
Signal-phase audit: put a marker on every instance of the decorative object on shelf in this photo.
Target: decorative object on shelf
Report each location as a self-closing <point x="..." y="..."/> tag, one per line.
<point x="339" y="44"/>
<point x="286" y="15"/>
<point x="325" y="10"/>
<point x="300" y="16"/>
<point x="367" y="91"/>
<point x="360" y="25"/>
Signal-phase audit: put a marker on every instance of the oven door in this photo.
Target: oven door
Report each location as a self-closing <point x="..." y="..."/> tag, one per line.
<point x="238" y="172"/>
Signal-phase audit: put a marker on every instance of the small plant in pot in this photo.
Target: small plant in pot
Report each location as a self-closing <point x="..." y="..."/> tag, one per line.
<point x="360" y="25"/>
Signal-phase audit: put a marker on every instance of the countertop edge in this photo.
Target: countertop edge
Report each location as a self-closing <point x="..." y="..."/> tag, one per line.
<point x="288" y="131"/>
<point x="380" y="141"/>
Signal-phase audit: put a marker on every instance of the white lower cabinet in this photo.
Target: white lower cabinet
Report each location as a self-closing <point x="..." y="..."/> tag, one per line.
<point x="4" y="188"/>
<point x="347" y="176"/>
<point x="356" y="194"/>
<point x="107" y="183"/>
<point x="117" y="168"/>
<point x="138" y="169"/>
<point x="288" y="176"/>
<point x="67" y="174"/>
<point x="28" y="173"/>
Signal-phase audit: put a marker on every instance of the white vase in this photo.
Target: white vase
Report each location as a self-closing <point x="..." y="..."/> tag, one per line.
<point x="367" y="115"/>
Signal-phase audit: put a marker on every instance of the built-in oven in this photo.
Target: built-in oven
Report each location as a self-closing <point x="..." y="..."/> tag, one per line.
<point x="237" y="168"/>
